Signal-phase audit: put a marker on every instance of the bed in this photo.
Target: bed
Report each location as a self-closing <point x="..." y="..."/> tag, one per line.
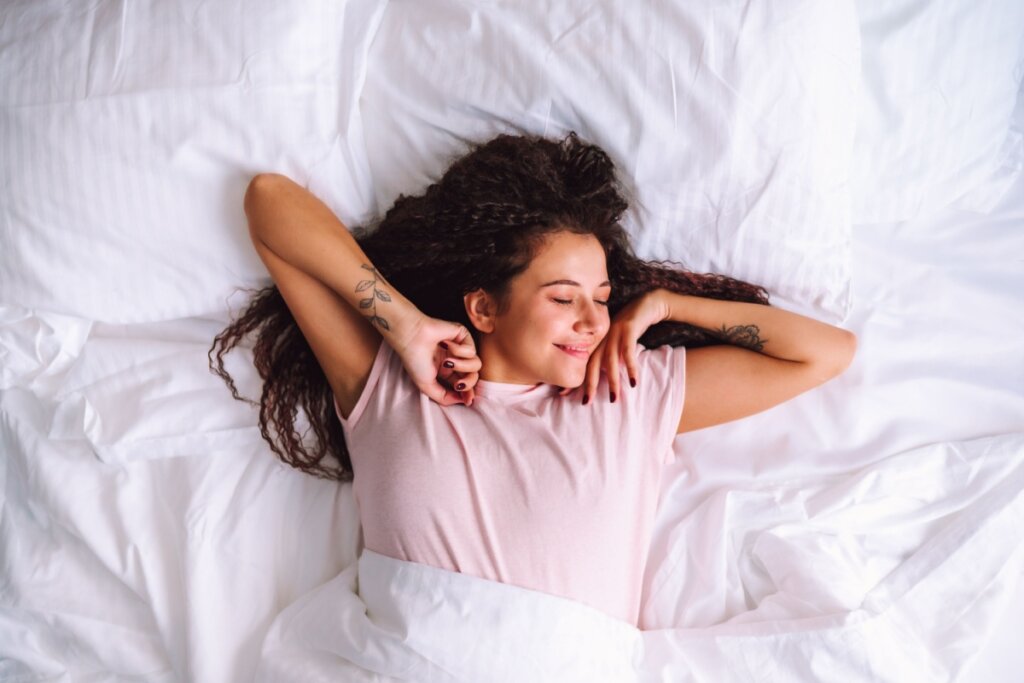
<point x="861" y="160"/>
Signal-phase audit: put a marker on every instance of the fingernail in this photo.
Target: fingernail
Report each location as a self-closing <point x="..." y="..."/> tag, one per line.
<point x="444" y="345"/>
<point x="585" y="399"/>
<point x="449" y="364"/>
<point x="460" y="386"/>
<point x="613" y="397"/>
<point x="632" y="382"/>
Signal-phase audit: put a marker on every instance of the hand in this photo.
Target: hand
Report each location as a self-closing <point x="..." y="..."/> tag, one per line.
<point x="619" y="344"/>
<point x="423" y="354"/>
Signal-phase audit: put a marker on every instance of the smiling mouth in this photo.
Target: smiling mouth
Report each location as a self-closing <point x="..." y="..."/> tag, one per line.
<point x="573" y="352"/>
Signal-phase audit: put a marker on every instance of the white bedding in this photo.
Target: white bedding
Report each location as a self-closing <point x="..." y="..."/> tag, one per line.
<point x="732" y="129"/>
<point x="868" y="530"/>
<point x="849" y="578"/>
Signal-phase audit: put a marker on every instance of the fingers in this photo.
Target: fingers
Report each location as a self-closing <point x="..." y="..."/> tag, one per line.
<point x="460" y="349"/>
<point x="466" y="393"/>
<point x="461" y="366"/>
<point x="462" y="341"/>
<point x="443" y="395"/>
<point x="631" y="367"/>
<point x="612" y="371"/>
<point x="460" y="359"/>
<point x="463" y="383"/>
<point x="448" y="395"/>
<point x="593" y="373"/>
<point x="450" y="385"/>
<point x="607" y="357"/>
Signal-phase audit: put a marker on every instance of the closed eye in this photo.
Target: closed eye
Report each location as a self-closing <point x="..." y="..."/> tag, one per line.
<point x="566" y="302"/>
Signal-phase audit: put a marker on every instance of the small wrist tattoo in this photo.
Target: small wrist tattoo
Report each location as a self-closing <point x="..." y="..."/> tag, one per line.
<point x="371" y="301"/>
<point x="743" y="335"/>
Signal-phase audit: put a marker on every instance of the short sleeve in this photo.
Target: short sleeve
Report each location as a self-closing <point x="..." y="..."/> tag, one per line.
<point x="379" y="368"/>
<point x="662" y="380"/>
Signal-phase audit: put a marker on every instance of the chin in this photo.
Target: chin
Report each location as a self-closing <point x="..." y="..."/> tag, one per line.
<point x="568" y="373"/>
<point x="572" y="380"/>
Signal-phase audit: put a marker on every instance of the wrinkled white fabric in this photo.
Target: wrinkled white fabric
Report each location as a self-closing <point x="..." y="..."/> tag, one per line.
<point x="156" y="535"/>
<point x="147" y="531"/>
<point x="940" y="81"/>
<point x="420" y="623"/>
<point x="130" y="132"/>
<point x="888" y="605"/>
<point x="731" y="125"/>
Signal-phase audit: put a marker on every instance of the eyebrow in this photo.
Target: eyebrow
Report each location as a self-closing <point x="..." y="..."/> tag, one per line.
<point x="606" y="283"/>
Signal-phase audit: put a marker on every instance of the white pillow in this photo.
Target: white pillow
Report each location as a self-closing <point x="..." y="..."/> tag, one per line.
<point x="940" y="84"/>
<point x="731" y="125"/>
<point x="131" y="130"/>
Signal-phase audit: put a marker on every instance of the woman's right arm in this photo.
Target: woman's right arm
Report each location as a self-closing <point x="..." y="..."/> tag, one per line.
<point x="316" y="264"/>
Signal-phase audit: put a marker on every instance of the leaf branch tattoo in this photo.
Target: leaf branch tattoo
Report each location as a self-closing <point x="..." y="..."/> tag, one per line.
<point x="372" y="300"/>
<point x="743" y="335"/>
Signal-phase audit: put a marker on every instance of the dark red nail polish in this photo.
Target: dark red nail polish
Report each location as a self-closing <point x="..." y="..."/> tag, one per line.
<point x="444" y="345"/>
<point x="613" y="397"/>
<point x="460" y="386"/>
<point x="632" y="382"/>
<point x="449" y="364"/>
<point x="585" y="399"/>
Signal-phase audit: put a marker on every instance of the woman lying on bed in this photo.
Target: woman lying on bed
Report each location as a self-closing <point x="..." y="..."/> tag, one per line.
<point x="499" y="371"/>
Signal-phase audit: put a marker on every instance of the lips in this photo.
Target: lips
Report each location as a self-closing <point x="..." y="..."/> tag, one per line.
<point x="582" y="353"/>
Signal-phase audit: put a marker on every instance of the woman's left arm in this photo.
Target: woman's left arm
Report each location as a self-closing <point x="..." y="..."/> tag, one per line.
<point x="765" y="329"/>
<point x="767" y="356"/>
<point x="771" y="355"/>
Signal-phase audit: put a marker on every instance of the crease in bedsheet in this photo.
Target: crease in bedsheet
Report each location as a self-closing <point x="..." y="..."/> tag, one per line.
<point x="46" y="553"/>
<point x="861" y="525"/>
<point x="418" y="622"/>
<point x="38" y="348"/>
<point x="76" y="418"/>
<point x="397" y="618"/>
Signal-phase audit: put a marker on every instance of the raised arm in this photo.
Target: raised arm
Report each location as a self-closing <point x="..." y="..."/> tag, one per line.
<point x="768" y="356"/>
<point x="342" y="304"/>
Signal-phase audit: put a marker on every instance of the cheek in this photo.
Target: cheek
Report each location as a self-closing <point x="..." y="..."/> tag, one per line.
<point x="542" y="318"/>
<point x="554" y="326"/>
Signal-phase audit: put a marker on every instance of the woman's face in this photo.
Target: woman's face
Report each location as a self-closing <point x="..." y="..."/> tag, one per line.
<point x="559" y="300"/>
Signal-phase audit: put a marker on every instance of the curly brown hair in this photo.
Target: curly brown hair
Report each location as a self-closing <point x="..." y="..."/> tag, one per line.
<point x="477" y="227"/>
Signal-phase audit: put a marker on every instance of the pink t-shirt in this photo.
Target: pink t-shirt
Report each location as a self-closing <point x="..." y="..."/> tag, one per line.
<point x="525" y="487"/>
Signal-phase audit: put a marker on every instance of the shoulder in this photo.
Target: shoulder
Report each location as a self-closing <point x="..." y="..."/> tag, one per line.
<point x="382" y="372"/>
<point x="659" y="394"/>
<point x="661" y="372"/>
<point x="665" y="358"/>
<point x="662" y="375"/>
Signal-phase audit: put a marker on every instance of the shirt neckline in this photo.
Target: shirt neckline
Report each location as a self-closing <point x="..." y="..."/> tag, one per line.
<point x="508" y="391"/>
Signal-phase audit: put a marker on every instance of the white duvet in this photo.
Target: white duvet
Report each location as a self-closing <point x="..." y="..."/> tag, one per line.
<point x="858" y="577"/>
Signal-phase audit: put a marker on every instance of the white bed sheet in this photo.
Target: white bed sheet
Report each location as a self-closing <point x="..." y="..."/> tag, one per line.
<point x="147" y="529"/>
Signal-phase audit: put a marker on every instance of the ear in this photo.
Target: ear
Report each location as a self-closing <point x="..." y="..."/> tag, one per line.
<point x="480" y="308"/>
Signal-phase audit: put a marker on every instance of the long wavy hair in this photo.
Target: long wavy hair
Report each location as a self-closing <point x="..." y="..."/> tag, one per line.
<point x="477" y="227"/>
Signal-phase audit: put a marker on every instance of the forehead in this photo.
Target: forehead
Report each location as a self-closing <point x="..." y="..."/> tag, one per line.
<point x="564" y="254"/>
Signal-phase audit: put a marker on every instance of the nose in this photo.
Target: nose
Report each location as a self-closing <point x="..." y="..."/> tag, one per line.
<point x="591" y="318"/>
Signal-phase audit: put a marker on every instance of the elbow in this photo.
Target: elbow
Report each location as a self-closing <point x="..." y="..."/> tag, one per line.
<point x="851" y="347"/>
<point x="261" y="196"/>
<point x="257" y="188"/>
<point x="839" y="357"/>
<point x="845" y="352"/>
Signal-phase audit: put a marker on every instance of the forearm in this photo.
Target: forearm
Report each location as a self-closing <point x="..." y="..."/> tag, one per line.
<point x="300" y="229"/>
<point x="765" y="329"/>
